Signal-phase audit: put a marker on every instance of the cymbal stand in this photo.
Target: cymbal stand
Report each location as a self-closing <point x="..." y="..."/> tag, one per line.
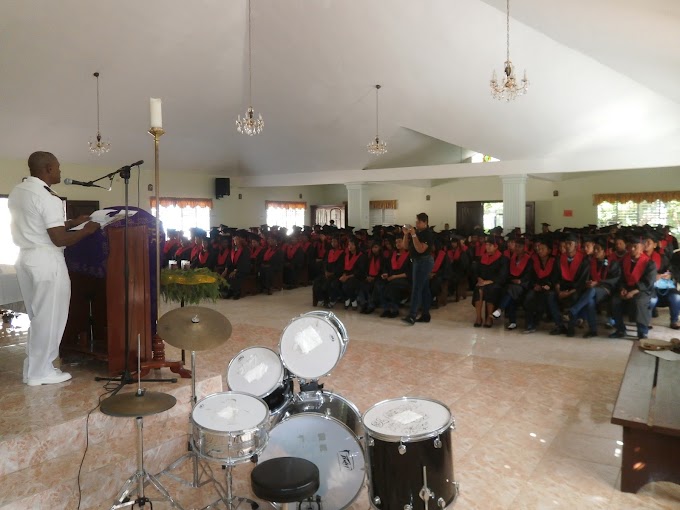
<point x="140" y="479"/>
<point x="200" y="468"/>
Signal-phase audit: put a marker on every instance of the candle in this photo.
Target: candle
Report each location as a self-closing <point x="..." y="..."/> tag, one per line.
<point x="156" y="115"/>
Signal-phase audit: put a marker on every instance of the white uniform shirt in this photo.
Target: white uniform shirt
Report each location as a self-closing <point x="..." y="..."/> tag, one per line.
<point x="34" y="209"/>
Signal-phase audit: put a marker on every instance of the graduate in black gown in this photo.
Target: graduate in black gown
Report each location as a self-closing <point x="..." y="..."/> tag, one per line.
<point x="397" y="280"/>
<point x="459" y="261"/>
<point x="331" y="271"/>
<point x="346" y="287"/>
<point x="542" y="283"/>
<point x="271" y="263"/>
<point x="490" y="273"/>
<point x="636" y="286"/>
<point x="375" y="265"/>
<point x="519" y="280"/>
<point x="441" y="269"/>
<point x="238" y="265"/>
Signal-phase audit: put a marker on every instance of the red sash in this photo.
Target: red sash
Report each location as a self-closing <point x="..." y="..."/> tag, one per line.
<point x="632" y="274"/>
<point x="374" y="266"/>
<point x="305" y="246"/>
<point x="291" y="249"/>
<point x="507" y="253"/>
<point x="203" y="256"/>
<point x="543" y="273"/>
<point x="195" y="251"/>
<point x="270" y="253"/>
<point x="398" y="260"/>
<point x="656" y="257"/>
<point x="350" y="260"/>
<point x="172" y="243"/>
<point x="320" y="250"/>
<point x="569" y="269"/>
<point x="181" y="250"/>
<point x="479" y="249"/>
<point x="334" y="255"/>
<point x="595" y="273"/>
<point x="438" y="261"/>
<point x="222" y="257"/>
<point x="487" y="259"/>
<point x="455" y="254"/>
<point x="235" y="255"/>
<point x="255" y="252"/>
<point x="516" y="269"/>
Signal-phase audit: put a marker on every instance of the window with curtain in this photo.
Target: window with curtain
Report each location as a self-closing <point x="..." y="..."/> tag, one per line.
<point x="382" y="212"/>
<point x="285" y="214"/>
<point x="638" y="208"/>
<point x="183" y="213"/>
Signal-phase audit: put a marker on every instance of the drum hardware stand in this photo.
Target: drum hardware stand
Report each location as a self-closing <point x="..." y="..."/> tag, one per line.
<point x="200" y="468"/>
<point x="310" y="502"/>
<point x="140" y="479"/>
<point x="230" y="501"/>
<point x="310" y="386"/>
<point x="126" y="377"/>
<point x="425" y="493"/>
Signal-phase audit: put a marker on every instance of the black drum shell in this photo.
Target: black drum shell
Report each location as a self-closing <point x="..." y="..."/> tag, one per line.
<point x="398" y="479"/>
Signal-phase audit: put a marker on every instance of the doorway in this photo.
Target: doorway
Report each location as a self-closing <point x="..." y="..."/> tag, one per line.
<point x="488" y="214"/>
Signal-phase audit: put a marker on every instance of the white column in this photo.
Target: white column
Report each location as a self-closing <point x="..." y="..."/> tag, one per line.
<point x="357" y="205"/>
<point x="514" y="202"/>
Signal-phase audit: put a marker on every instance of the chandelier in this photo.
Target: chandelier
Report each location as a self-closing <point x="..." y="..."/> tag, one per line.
<point x="98" y="147"/>
<point x="377" y="147"/>
<point x="250" y="125"/>
<point x="510" y="88"/>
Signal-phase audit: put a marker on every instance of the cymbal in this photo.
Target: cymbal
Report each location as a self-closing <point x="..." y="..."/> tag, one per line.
<point x="194" y="328"/>
<point x="131" y="405"/>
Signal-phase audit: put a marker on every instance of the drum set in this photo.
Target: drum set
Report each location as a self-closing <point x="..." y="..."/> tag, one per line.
<point x="403" y="444"/>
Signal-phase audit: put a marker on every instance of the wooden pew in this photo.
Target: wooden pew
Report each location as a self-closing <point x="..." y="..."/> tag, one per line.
<point x="648" y="409"/>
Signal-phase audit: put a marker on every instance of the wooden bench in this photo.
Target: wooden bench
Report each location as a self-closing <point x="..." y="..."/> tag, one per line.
<point x="648" y="409"/>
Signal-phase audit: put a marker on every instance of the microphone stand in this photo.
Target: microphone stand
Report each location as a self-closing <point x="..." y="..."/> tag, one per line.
<point x="126" y="376"/>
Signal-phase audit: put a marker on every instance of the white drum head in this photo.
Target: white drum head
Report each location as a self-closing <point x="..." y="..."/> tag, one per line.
<point x="407" y="419"/>
<point x="230" y="412"/>
<point x="256" y="371"/>
<point x="310" y="347"/>
<point x="330" y="445"/>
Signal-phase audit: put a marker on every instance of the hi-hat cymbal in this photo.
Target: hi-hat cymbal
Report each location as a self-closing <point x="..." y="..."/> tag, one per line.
<point x="194" y="328"/>
<point x="131" y="405"/>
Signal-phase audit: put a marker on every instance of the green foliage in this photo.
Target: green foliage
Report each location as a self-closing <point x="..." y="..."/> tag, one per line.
<point x="190" y="285"/>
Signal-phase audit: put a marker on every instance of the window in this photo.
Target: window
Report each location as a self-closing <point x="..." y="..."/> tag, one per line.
<point x="631" y="213"/>
<point x="325" y="213"/>
<point x="382" y="212"/>
<point x="10" y="252"/>
<point x="286" y="214"/>
<point x="183" y="213"/>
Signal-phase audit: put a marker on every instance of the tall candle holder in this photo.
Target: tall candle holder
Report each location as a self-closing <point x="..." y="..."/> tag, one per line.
<point x="158" y="346"/>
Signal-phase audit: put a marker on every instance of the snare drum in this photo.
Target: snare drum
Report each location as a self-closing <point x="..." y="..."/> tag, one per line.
<point x="328" y="404"/>
<point x="258" y="371"/>
<point x="230" y="427"/>
<point x="408" y="448"/>
<point x="329" y="444"/>
<point x="313" y="344"/>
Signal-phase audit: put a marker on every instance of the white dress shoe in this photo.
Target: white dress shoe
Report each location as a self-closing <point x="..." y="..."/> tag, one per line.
<point x="497" y="313"/>
<point x="56" y="378"/>
<point x="56" y="371"/>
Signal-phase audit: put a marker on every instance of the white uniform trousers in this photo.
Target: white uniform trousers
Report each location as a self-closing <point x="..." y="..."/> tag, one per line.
<point x="46" y="288"/>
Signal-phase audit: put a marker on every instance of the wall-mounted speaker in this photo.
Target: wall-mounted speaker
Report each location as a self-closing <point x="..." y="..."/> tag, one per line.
<point x="222" y="187"/>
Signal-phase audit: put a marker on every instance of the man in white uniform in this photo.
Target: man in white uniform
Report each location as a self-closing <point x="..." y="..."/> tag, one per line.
<point x="39" y="230"/>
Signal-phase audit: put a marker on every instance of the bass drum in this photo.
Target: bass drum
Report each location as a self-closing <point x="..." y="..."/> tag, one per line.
<point x="408" y="448"/>
<point x="258" y="371"/>
<point x="229" y="427"/>
<point x="312" y="344"/>
<point x="328" y="404"/>
<point x="329" y="444"/>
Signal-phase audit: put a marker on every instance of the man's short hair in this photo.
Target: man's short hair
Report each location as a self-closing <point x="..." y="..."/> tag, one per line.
<point x="423" y="217"/>
<point x="39" y="160"/>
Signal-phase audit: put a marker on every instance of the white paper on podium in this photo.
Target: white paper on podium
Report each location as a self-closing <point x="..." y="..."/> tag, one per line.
<point x="105" y="216"/>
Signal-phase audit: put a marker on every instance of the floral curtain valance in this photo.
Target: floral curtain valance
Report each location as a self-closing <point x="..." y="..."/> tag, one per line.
<point x="182" y="202"/>
<point x="636" y="197"/>
<point x="286" y="205"/>
<point x="382" y="204"/>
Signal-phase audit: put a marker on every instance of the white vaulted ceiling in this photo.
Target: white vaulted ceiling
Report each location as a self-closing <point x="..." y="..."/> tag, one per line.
<point x="604" y="91"/>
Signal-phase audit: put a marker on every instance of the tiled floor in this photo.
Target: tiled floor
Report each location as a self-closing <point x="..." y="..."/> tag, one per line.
<point x="532" y="412"/>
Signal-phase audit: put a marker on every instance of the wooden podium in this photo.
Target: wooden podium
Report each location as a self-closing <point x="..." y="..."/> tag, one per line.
<point x="96" y="322"/>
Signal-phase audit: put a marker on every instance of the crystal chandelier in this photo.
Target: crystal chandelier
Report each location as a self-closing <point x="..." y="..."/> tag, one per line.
<point x="250" y="125"/>
<point x="377" y="147"/>
<point x="509" y="89"/>
<point x="98" y="147"/>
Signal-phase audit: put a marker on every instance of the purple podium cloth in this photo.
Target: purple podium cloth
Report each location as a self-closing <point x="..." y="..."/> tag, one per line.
<point x="89" y="256"/>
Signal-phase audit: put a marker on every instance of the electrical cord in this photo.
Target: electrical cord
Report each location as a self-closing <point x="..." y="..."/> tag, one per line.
<point x="108" y="389"/>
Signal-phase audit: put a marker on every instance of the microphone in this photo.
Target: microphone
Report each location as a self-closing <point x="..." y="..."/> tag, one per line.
<point x="70" y="182"/>
<point x="137" y="163"/>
